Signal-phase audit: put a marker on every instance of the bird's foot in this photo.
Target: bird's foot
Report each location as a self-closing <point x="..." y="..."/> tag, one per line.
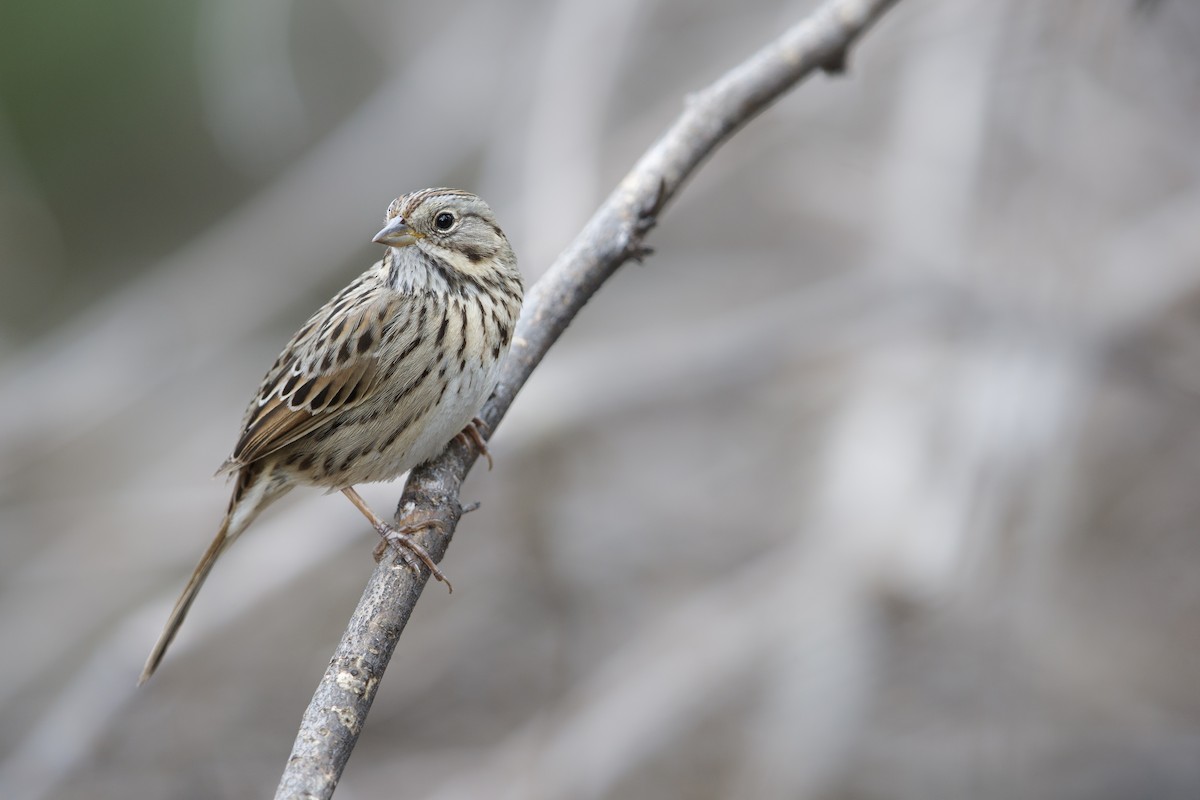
<point x="408" y="549"/>
<point x="472" y="435"/>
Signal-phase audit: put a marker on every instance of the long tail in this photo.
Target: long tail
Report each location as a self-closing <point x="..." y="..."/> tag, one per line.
<point x="184" y="602"/>
<point x="251" y="495"/>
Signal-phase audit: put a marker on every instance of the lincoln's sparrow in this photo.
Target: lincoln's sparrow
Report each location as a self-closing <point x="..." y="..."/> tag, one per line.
<point x="382" y="377"/>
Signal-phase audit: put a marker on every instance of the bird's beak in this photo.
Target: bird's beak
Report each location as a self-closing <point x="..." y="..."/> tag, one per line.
<point x="397" y="233"/>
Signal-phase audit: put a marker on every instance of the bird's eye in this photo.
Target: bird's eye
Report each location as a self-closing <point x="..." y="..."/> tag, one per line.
<point x="443" y="221"/>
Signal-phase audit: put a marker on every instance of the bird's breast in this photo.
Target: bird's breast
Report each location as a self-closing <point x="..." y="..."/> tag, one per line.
<point x="433" y="383"/>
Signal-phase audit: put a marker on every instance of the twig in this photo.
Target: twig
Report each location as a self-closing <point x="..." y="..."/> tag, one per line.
<point x="615" y="234"/>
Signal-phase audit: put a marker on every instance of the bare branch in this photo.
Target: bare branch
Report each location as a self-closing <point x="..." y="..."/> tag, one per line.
<point x="615" y="234"/>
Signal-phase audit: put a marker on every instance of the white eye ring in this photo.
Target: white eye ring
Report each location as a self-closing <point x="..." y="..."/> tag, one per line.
<point x="444" y="221"/>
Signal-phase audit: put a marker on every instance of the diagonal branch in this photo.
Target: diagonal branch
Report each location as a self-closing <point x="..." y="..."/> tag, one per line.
<point x="334" y="718"/>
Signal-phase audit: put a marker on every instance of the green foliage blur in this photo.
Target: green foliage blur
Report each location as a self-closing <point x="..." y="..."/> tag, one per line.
<point x="106" y="158"/>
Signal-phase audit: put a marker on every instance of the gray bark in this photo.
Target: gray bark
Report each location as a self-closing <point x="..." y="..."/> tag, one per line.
<point x="615" y="234"/>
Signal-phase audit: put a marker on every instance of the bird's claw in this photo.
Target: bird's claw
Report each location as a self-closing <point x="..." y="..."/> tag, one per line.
<point x="408" y="549"/>
<point x="472" y="435"/>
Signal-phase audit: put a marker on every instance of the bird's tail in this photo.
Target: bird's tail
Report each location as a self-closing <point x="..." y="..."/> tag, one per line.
<point x="184" y="602"/>
<point x="251" y="495"/>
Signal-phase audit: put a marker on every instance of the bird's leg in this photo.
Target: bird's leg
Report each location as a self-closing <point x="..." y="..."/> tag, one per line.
<point x="471" y="435"/>
<point x="408" y="548"/>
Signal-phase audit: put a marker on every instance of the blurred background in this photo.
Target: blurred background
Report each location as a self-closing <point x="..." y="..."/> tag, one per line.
<point x="878" y="480"/>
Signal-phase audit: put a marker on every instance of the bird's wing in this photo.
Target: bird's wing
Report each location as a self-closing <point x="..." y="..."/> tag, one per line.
<point x="329" y="366"/>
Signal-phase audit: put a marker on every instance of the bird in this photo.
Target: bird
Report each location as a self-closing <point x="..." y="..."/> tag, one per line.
<point x="381" y="378"/>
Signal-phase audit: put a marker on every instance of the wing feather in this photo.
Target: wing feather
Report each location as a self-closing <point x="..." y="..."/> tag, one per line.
<point x="330" y="366"/>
